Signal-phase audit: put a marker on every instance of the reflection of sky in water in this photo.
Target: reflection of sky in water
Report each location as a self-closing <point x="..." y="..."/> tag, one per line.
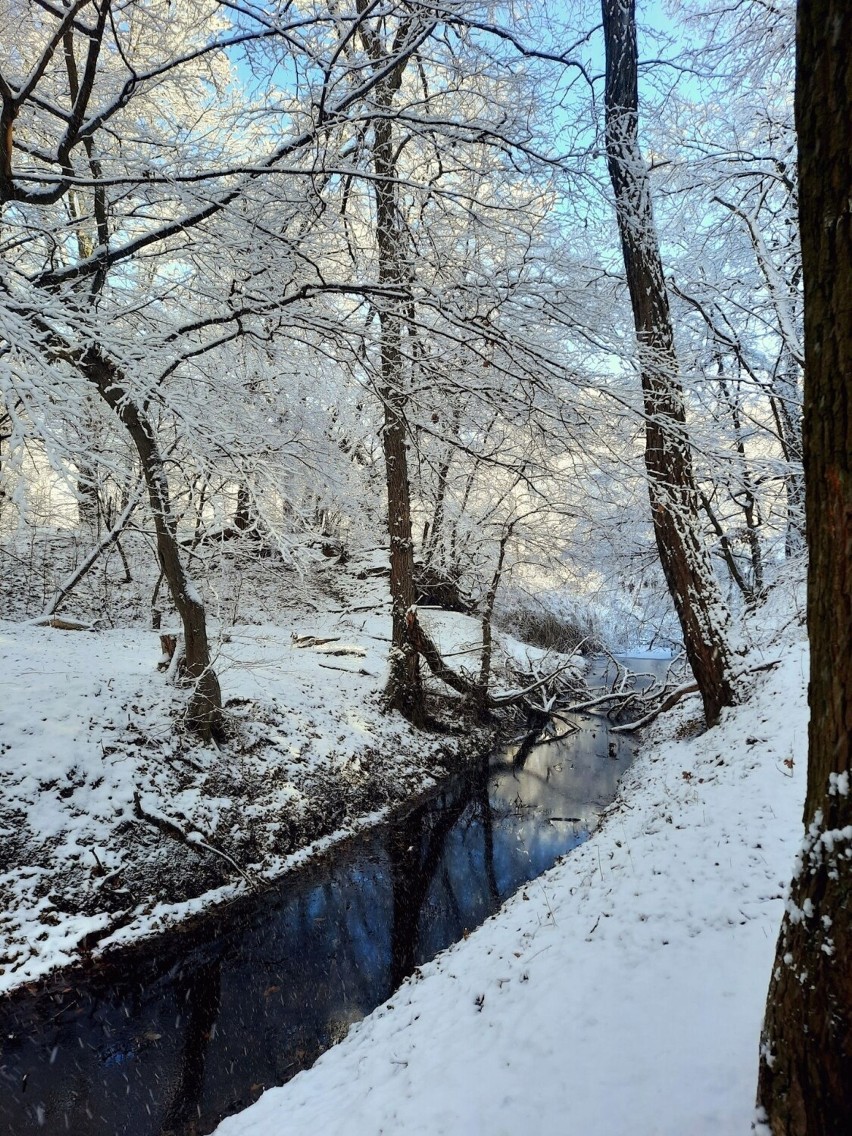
<point x="202" y="1026"/>
<point x="535" y="814"/>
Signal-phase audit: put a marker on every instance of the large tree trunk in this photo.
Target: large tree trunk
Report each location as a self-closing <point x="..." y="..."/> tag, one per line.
<point x="404" y="691"/>
<point x="805" y="1082"/>
<point x="205" y="706"/>
<point x="668" y="458"/>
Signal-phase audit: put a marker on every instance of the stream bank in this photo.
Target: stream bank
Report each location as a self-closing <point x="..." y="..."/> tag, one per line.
<point x="623" y="991"/>
<point x="115" y="823"/>
<point x="171" y="1037"/>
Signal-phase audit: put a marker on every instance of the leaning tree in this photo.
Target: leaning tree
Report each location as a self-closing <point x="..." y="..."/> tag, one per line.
<point x="668" y="456"/>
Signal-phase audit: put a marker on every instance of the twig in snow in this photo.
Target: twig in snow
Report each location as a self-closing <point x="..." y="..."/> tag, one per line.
<point x="346" y="670"/>
<point x="170" y="828"/>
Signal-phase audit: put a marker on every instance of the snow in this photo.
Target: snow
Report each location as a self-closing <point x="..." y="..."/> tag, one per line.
<point x="623" y="991"/>
<point x="91" y="764"/>
<point x="838" y="783"/>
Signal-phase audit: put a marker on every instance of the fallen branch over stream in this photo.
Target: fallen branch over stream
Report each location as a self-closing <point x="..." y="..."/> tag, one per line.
<point x="655" y="700"/>
<point x="477" y="692"/>
<point x="664" y="704"/>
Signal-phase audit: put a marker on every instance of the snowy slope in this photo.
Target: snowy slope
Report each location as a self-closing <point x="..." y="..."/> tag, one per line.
<point x="93" y="758"/>
<point x="622" y="994"/>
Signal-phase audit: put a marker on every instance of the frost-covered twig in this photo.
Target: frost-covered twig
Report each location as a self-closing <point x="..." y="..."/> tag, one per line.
<point x="664" y="704"/>
<point x="65" y="589"/>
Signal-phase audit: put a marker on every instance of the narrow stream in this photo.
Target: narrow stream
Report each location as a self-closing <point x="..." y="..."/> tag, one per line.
<point x="197" y="1024"/>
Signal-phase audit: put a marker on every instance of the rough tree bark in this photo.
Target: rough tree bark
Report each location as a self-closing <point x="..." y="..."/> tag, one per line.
<point x="668" y="458"/>
<point x="404" y="691"/>
<point x="205" y="707"/>
<point x="805" y="1081"/>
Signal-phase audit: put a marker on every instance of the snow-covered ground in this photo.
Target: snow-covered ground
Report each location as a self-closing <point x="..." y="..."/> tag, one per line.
<point x="620" y="994"/>
<point x="114" y="821"/>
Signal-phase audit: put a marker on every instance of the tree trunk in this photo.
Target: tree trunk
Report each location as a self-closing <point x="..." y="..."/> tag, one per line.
<point x="431" y="545"/>
<point x="805" y="1082"/>
<point x="4" y="419"/>
<point x="746" y="499"/>
<point x="404" y="691"/>
<point x="668" y="459"/>
<point x="487" y="616"/>
<point x="88" y="501"/>
<point x="243" y="518"/>
<point x="785" y="393"/>
<point x="727" y="551"/>
<point x="205" y="706"/>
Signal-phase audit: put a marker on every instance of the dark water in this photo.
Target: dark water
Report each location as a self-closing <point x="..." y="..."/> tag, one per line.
<point x="197" y="1024"/>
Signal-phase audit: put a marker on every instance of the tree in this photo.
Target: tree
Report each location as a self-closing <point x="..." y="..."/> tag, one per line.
<point x="382" y="43"/>
<point x="114" y="189"/>
<point x="668" y="458"/>
<point x="444" y="227"/>
<point x="733" y="175"/>
<point x="805" y="1081"/>
<point x="50" y="117"/>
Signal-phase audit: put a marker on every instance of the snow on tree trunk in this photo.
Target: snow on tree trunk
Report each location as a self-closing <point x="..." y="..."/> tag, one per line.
<point x="668" y="459"/>
<point x="785" y="394"/>
<point x="805" y="1081"/>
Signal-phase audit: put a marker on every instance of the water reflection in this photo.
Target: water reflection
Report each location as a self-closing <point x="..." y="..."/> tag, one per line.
<point x="201" y="990"/>
<point x="175" y="1040"/>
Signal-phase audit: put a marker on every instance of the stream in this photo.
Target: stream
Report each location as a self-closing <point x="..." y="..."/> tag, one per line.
<point x="193" y="1025"/>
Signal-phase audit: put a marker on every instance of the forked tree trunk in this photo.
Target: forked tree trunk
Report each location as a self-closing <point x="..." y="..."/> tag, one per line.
<point x="205" y="706"/>
<point x="668" y="458"/>
<point x="805" y="1083"/>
